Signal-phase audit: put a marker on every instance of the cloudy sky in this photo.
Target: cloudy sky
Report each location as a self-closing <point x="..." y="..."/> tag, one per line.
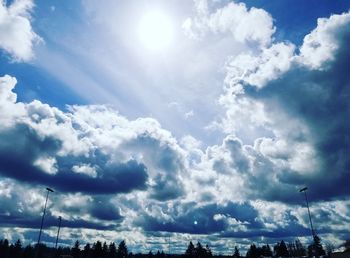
<point x="182" y="120"/>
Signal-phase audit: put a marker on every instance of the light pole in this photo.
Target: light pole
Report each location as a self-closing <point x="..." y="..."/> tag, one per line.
<point x="42" y="219"/>
<point x="58" y="232"/>
<point x="303" y="190"/>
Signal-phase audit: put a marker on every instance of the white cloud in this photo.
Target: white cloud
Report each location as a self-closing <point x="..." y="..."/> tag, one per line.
<point x="253" y="25"/>
<point x="47" y="164"/>
<point x="85" y="169"/>
<point x="271" y="63"/>
<point x="321" y="44"/>
<point x="16" y="34"/>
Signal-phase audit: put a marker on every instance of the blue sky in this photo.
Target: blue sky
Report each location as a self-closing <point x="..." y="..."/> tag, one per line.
<point x="198" y="120"/>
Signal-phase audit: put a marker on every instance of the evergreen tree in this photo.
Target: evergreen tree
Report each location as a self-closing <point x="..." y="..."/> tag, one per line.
<point x="40" y="250"/>
<point x="18" y="249"/>
<point x="112" y="250"/>
<point x="200" y="252"/>
<point x="347" y="245"/>
<point x="87" y="251"/>
<point x="292" y="249"/>
<point x="190" y="251"/>
<point x="28" y="252"/>
<point x="75" y="252"/>
<point x="104" y="250"/>
<point x="97" y="249"/>
<point x="208" y="251"/>
<point x="236" y="253"/>
<point x="265" y="250"/>
<point x="4" y="248"/>
<point x="329" y="249"/>
<point x="300" y="249"/>
<point x="122" y="250"/>
<point x="281" y="249"/>
<point x="316" y="249"/>
<point x="252" y="252"/>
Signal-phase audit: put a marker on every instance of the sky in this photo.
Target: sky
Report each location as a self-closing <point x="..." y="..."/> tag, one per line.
<point x="175" y="121"/>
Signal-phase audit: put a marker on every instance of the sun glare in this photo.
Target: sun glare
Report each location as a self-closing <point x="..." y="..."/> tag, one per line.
<point x="155" y="30"/>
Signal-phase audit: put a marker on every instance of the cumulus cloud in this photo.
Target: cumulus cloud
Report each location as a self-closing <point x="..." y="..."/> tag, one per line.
<point x="202" y="219"/>
<point x="323" y="42"/>
<point x="245" y="25"/>
<point x="89" y="149"/>
<point x="300" y="105"/>
<point x="271" y="63"/>
<point x="17" y="37"/>
<point x="91" y="156"/>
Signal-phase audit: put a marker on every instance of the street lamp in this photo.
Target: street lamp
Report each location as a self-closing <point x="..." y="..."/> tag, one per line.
<point x="42" y="219"/>
<point x="303" y="190"/>
<point x="58" y="232"/>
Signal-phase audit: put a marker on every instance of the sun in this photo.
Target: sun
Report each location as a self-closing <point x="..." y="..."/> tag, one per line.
<point x="155" y="30"/>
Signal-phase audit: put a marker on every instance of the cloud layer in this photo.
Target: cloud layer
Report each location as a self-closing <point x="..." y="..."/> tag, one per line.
<point x="284" y="128"/>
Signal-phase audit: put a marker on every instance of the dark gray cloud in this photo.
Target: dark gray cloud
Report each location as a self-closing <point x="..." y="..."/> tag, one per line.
<point x="102" y="209"/>
<point x="18" y="211"/>
<point x="167" y="165"/>
<point x="202" y="220"/>
<point x="21" y="220"/>
<point x="21" y="146"/>
<point x="319" y="98"/>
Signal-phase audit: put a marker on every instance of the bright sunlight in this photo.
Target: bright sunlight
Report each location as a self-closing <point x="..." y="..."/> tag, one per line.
<point x="155" y="30"/>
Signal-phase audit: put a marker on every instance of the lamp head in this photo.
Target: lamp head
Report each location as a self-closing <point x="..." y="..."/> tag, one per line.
<point x="303" y="189"/>
<point x="49" y="189"/>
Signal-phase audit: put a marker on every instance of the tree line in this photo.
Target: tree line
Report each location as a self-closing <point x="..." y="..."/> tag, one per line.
<point x="293" y="249"/>
<point x="104" y="250"/>
<point x="96" y="250"/>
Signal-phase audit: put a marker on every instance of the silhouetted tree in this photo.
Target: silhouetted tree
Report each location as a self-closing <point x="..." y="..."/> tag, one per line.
<point x="150" y="254"/>
<point x="291" y="249"/>
<point x="28" y="252"/>
<point x="265" y="250"/>
<point x="281" y="250"/>
<point x="252" y="252"/>
<point x="75" y="252"/>
<point x="200" y="251"/>
<point x="190" y="251"/>
<point x="347" y="245"/>
<point x="104" y="250"/>
<point x="112" y="250"/>
<point x="17" y="249"/>
<point x="300" y="249"/>
<point x="87" y="252"/>
<point x="4" y="248"/>
<point x="208" y="251"/>
<point x="236" y="253"/>
<point x="97" y="247"/>
<point x="329" y="248"/>
<point x="40" y="250"/>
<point x="122" y="250"/>
<point x="316" y="249"/>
